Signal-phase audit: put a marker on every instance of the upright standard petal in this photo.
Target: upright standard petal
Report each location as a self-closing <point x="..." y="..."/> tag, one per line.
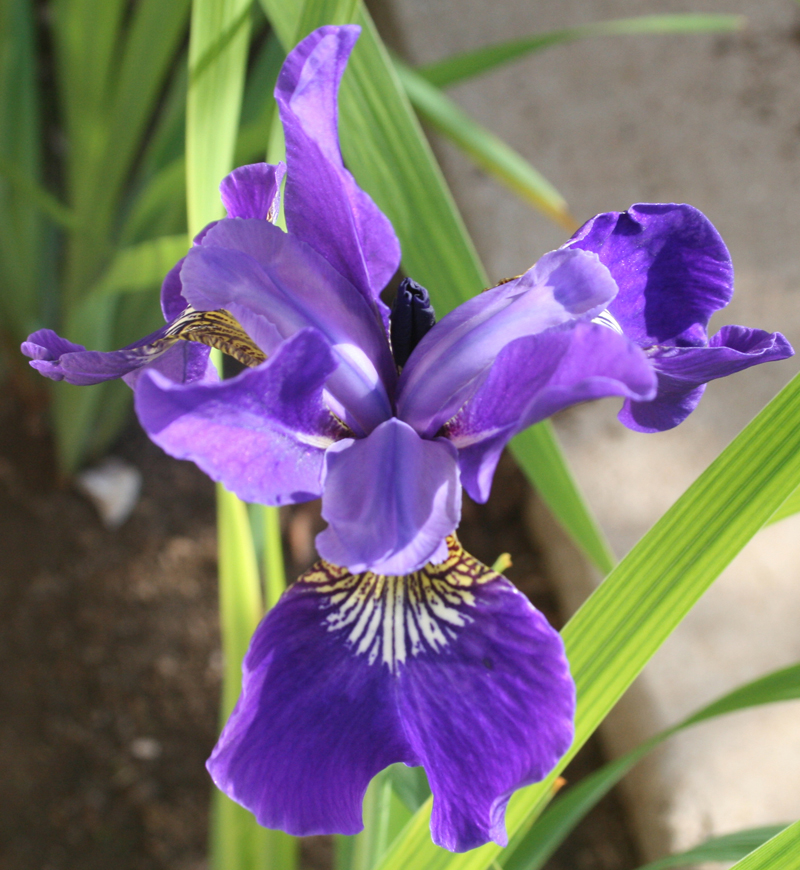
<point x="253" y="191"/>
<point x="274" y="285"/>
<point x="684" y="371"/>
<point x="262" y="434"/>
<point x="390" y="500"/>
<point x="445" y="367"/>
<point x="449" y="667"/>
<point x="324" y="205"/>
<point x="671" y="265"/>
<point x="533" y="378"/>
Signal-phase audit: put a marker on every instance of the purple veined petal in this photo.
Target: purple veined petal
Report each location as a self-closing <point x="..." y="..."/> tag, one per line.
<point x="533" y="378"/>
<point x="390" y="500"/>
<point x="314" y="723"/>
<point x="672" y="267"/>
<point x="324" y="205"/>
<point x="444" y="368"/>
<point x="684" y="371"/>
<point x="485" y="696"/>
<point x="450" y="667"/>
<point x="262" y="434"/>
<point x="62" y="360"/>
<point x="253" y="191"/>
<point x="274" y="285"/>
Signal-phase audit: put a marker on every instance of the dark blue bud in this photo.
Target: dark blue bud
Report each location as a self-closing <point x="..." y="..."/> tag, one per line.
<point x="412" y="316"/>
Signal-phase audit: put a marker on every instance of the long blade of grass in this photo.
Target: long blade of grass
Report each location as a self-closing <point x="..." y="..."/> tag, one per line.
<point x="624" y="622"/>
<point x="486" y="149"/>
<point x="140" y="267"/>
<point x="387" y="151"/>
<point x="20" y="166"/>
<point x="465" y="65"/>
<point x="782" y="852"/>
<point x="555" y="824"/>
<point x="729" y="847"/>
<point x="788" y="508"/>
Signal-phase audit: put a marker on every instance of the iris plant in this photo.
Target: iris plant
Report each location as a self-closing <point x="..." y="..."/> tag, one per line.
<point x="398" y="646"/>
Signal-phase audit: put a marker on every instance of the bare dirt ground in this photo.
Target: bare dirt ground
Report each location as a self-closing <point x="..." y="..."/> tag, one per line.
<point x="110" y="663"/>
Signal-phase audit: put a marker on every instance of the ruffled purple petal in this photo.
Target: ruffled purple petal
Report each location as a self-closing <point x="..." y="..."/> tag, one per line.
<point x="315" y="722"/>
<point x="262" y="434"/>
<point x="173" y="302"/>
<point x="487" y="702"/>
<point x="683" y="372"/>
<point x="390" y="500"/>
<point x="274" y="285"/>
<point x="444" y="368"/>
<point x="671" y="265"/>
<point x="253" y="191"/>
<point x="450" y="667"/>
<point x="62" y="360"/>
<point x="533" y="378"/>
<point x="324" y="205"/>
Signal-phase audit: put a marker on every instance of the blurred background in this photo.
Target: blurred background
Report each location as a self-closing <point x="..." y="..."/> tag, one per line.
<point x="109" y="650"/>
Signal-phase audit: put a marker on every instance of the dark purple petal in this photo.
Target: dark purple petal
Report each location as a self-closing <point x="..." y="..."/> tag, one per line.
<point x="324" y="205"/>
<point x="313" y="725"/>
<point x="62" y="360"/>
<point x="487" y="702"/>
<point x="683" y="372"/>
<point x="253" y="191"/>
<point x="262" y="434"/>
<point x="173" y="303"/>
<point x="390" y="500"/>
<point x="450" y="667"/>
<point x="671" y="265"/>
<point x="533" y="378"/>
<point x="444" y="369"/>
<point x="274" y="285"/>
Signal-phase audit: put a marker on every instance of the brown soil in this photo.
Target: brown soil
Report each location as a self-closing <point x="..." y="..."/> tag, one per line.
<point x="110" y="663"/>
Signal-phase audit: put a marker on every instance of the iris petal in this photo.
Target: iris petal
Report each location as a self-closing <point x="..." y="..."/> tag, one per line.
<point x="683" y="372"/>
<point x="390" y="500"/>
<point x="262" y="434"/>
<point x="533" y="378"/>
<point x="445" y="367"/>
<point x="324" y="205"/>
<point x="253" y="191"/>
<point x="450" y="667"/>
<point x="671" y="265"/>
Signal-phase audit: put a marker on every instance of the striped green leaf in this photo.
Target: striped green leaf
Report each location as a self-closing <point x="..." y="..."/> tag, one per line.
<point x="486" y="149"/>
<point x="620" y="627"/>
<point x="729" y="847"/>
<point x="782" y="852"/>
<point x="555" y="824"/>
<point x="465" y="65"/>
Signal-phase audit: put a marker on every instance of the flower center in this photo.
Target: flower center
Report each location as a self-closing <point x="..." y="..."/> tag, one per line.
<point x="220" y="330"/>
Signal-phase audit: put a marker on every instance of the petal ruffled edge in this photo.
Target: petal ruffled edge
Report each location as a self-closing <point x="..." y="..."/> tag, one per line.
<point x="683" y="373"/>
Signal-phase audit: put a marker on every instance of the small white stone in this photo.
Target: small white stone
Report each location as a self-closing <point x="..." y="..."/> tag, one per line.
<point x="113" y="487"/>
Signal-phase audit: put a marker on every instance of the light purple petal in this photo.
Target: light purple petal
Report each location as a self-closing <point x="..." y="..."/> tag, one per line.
<point x="262" y="434"/>
<point x="671" y="265"/>
<point x="253" y="191"/>
<point x="313" y="725"/>
<point x="450" y="667"/>
<point x="185" y="362"/>
<point x="324" y="205"/>
<point x="683" y="372"/>
<point x="390" y="500"/>
<point x="533" y="378"/>
<point x="445" y="367"/>
<point x="274" y="285"/>
<point x="59" y="359"/>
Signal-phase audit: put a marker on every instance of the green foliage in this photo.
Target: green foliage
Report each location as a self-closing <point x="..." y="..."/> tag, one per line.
<point x="730" y="847"/>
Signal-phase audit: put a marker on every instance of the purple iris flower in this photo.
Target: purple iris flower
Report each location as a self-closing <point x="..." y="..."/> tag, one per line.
<point x="397" y="646"/>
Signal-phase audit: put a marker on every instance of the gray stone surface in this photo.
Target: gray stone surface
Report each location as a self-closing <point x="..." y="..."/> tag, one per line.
<point x="715" y="121"/>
